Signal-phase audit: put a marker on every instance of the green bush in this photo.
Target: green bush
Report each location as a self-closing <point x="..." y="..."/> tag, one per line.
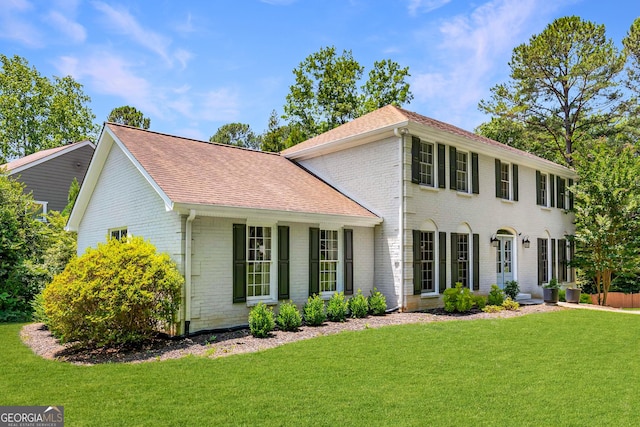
<point x="289" y="317"/>
<point x="377" y="303"/>
<point x="562" y="295"/>
<point x="479" y="301"/>
<point x="261" y="320"/>
<point x="493" y="308"/>
<point x="358" y="305"/>
<point x="37" y="305"/>
<point x="337" y="308"/>
<point x="314" y="311"/>
<point x="496" y="296"/>
<point x="458" y="299"/>
<point x="511" y="289"/>
<point x="510" y="304"/>
<point x="585" y="298"/>
<point x="122" y="292"/>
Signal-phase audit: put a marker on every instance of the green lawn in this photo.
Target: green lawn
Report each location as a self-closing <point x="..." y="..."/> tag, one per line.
<point x="541" y="369"/>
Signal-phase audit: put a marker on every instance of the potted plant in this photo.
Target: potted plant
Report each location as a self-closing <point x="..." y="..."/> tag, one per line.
<point x="550" y="292"/>
<point x="573" y="294"/>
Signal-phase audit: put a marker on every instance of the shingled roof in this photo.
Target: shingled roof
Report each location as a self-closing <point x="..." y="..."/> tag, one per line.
<point x="201" y="173"/>
<point x="392" y="116"/>
<point x="42" y="155"/>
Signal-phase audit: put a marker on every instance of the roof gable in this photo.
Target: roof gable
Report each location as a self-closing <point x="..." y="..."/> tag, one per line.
<point x="39" y="157"/>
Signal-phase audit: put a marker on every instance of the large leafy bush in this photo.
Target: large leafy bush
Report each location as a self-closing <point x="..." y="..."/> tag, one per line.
<point x="314" y="311"/>
<point x="261" y="320"/>
<point x="337" y="308"/>
<point x="122" y="292"/>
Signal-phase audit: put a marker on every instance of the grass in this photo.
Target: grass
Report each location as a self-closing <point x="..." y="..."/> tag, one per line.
<point x="574" y="367"/>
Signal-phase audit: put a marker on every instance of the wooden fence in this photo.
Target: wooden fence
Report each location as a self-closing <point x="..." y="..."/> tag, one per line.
<point x="620" y="300"/>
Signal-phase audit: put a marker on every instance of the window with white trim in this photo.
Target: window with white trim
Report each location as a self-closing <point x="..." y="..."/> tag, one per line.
<point x="41" y="211"/>
<point x="427" y="175"/>
<point x="427" y="261"/>
<point x="543" y="190"/>
<point x="463" y="259"/>
<point x="505" y="180"/>
<point x="328" y="260"/>
<point x="462" y="171"/>
<point x="118" y="233"/>
<point x="259" y="262"/>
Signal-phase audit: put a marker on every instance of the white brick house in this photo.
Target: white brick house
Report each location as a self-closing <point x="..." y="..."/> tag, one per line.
<point x="392" y="200"/>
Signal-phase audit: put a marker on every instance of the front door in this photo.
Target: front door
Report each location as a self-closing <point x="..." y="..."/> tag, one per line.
<point x="504" y="260"/>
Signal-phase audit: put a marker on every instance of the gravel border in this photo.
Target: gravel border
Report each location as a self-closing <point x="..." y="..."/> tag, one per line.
<point x="43" y="344"/>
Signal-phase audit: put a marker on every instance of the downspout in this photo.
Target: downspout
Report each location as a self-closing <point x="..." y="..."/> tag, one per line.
<point x="400" y="134"/>
<point x="187" y="271"/>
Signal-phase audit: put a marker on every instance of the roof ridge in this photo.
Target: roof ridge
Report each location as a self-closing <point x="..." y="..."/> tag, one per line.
<point x="220" y="144"/>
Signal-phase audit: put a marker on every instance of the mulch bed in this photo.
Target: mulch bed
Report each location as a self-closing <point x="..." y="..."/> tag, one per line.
<point x="220" y="344"/>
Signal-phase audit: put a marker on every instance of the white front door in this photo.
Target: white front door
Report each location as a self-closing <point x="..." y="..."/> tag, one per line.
<point x="504" y="260"/>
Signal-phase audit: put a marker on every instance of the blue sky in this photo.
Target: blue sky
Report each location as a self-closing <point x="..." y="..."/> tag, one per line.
<point x="192" y="66"/>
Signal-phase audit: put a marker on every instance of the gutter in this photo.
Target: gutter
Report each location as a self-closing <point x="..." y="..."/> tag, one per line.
<point x="400" y="133"/>
<point x="187" y="271"/>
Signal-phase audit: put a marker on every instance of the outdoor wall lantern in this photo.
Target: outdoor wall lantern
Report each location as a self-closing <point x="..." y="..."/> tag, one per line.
<point x="494" y="241"/>
<point x="525" y="242"/>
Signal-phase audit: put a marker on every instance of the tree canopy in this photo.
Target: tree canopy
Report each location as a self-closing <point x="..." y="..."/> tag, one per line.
<point x="563" y="88"/>
<point x="238" y="134"/>
<point x="130" y="116"/>
<point x="37" y="113"/>
<point x="326" y="94"/>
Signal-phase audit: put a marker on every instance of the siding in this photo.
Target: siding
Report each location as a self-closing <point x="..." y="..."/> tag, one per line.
<point x="50" y="181"/>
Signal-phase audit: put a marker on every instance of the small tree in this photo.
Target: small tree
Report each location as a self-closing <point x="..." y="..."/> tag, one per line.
<point x="607" y="211"/>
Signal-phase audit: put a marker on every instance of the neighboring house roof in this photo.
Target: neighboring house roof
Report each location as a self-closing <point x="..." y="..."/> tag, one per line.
<point x="388" y="118"/>
<point x="35" y="159"/>
<point x="200" y="175"/>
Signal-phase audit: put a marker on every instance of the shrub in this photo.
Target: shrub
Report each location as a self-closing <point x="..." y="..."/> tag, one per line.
<point x="458" y="299"/>
<point x="289" y="318"/>
<point x="585" y="298"/>
<point x="314" y="311"/>
<point x="493" y="308"/>
<point x="358" y="305"/>
<point x="510" y="304"/>
<point x="37" y="305"/>
<point x="377" y="303"/>
<point x="496" y="296"/>
<point x="122" y="292"/>
<point x="261" y="320"/>
<point x="337" y="308"/>
<point x="562" y="295"/>
<point x="479" y="301"/>
<point x="512" y="289"/>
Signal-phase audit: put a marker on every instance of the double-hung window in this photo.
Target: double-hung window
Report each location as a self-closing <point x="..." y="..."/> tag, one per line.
<point x="427" y="164"/>
<point x="462" y="171"/>
<point x="258" y="261"/>
<point x="543" y="261"/>
<point x="328" y="260"/>
<point x="506" y="181"/>
<point x="463" y="259"/>
<point x="427" y="261"/>
<point x="542" y="189"/>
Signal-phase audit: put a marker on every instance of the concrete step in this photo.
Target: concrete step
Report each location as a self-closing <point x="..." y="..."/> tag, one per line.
<point x="522" y="296"/>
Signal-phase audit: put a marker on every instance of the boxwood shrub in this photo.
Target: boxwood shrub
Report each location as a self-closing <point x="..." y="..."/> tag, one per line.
<point x="314" y="311"/>
<point x="261" y="320"/>
<point x="358" y="305"/>
<point x="122" y="292"/>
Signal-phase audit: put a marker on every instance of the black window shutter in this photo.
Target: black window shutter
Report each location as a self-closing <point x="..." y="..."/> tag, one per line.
<point x="498" y="179"/>
<point x="417" y="258"/>
<point x="539" y="200"/>
<point x="541" y="267"/>
<point x="562" y="260"/>
<point x="314" y="261"/>
<point x="453" y="162"/>
<point x="475" y="179"/>
<point x="239" y="263"/>
<point x="572" y="254"/>
<point x="553" y="259"/>
<point x="441" y="166"/>
<point x="454" y="259"/>
<point x="348" y="262"/>
<point x="415" y="159"/>
<point x="552" y="191"/>
<point x="476" y="262"/>
<point x="570" y="207"/>
<point x="514" y="184"/>
<point x="283" y="262"/>
<point x="442" y="256"/>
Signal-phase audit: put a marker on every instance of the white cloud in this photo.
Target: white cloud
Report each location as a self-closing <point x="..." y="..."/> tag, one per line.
<point x="14" y="27"/>
<point x="74" y="31"/>
<point x="123" y="22"/>
<point x="219" y="105"/>
<point x="472" y="50"/>
<point x="425" y="6"/>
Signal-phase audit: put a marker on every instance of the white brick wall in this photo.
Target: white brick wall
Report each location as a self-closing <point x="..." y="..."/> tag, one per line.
<point x="370" y="174"/>
<point x="123" y="198"/>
